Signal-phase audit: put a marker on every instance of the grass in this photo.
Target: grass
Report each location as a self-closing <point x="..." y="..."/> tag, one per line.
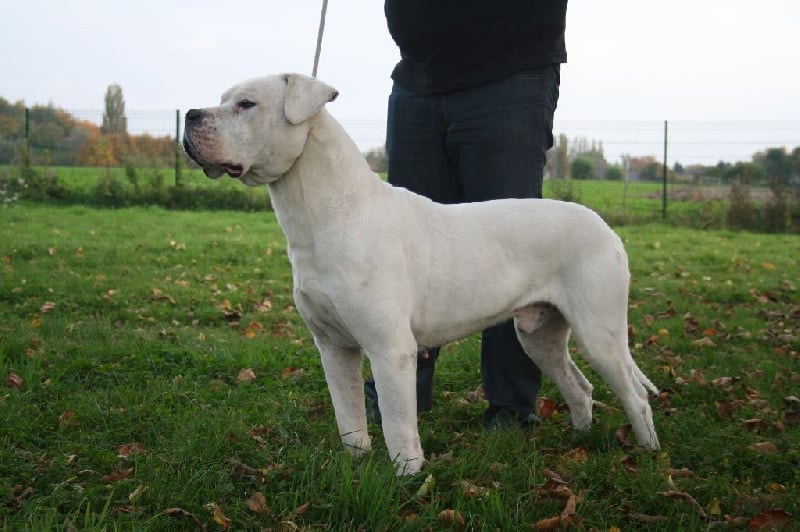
<point x="620" y="203"/>
<point x="124" y="405"/>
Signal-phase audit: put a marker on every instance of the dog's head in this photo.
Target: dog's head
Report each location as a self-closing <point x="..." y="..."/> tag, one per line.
<point x="259" y="128"/>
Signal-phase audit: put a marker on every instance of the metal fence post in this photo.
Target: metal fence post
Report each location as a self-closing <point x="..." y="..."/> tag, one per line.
<point x="26" y="154"/>
<point x="177" y="147"/>
<point x="664" y="191"/>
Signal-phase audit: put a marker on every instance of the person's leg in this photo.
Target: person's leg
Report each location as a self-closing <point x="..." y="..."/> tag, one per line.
<point x="417" y="161"/>
<point x="498" y="139"/>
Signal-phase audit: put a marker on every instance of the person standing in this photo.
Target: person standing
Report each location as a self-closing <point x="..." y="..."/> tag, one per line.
<point x="470" y="118"/>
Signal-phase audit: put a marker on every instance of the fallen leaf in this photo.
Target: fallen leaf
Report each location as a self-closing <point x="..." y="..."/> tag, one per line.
<point x="135" y="494"/>
<point x="15" y="381"/>
<point x="302" y="509"/>
<point x="257" y="503"/>
<point x="649" y="519"/>
<point x="724" y="408"/>
<point x="709" y="331"/>
<point x="68" y="418"/>
<point x="172" y="512"/>
<point x="680" y="473"/>
<point x="765" y="447"/>
<point x="704" y="342"/>
<point x="578" y="454"/>
<point x="568" y="514"/>
<point x="792" y="401"/>
<point x="263" y="306"/>
<point x="118" y="474"/>
<point x="229" y="312"/>
<point x="426" y="487"/>
<point x="714" y="508"/>
<point x="129" y="449"/>
<point x="753" y="424"/>
<point x="630" y="463"/>
<point x="622" y="435"/>
<point x="452" y="518"/>
<point x="721" y="382"/>
<point x="476" y="395"/>
<point x="770" y="520"/>
<point x="472" y="491"/>
<point x="550" y="523"/>
<point x="292" y="372"/>
<point x="79" y="251"/>
<point x="246" y="375"/>
<point x="697" y="377"/>
<point x="218" y="515"/>
<point x="545" y="407"/>
<point x="257" y="433"/>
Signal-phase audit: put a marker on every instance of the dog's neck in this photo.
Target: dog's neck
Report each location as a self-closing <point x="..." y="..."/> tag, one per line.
<point x="330" y="180"/>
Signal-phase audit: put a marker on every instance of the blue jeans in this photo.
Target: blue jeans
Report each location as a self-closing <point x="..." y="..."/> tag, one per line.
<point x="487" y="142"/>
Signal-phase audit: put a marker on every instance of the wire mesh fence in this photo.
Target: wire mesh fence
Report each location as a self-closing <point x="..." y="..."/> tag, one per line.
<point x="663" y="162"/>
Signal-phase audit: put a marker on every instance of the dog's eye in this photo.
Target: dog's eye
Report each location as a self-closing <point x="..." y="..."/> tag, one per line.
<point x="245" y="104"/>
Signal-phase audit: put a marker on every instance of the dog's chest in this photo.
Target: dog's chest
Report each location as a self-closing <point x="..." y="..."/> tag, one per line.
<point x="318" y="310"/>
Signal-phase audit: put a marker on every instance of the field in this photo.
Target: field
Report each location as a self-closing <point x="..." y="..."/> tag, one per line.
<point x="618" y="202"/>
<point x="155" y="375"/>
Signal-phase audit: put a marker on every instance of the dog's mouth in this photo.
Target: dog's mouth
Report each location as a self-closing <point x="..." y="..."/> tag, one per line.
<point x="233" y="170"/>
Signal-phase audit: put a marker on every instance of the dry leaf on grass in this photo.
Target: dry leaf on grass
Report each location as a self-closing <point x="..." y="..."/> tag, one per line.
<point x="129" y="449"/>
<point x="472" y="491"/>
<point x="245" y="375"/>
<point x="257" y="503"/>
<point x="180" y="512"/>
<point x="452" y="518"/>
<point x="15" y="381"/>
<point x="302" y="509"/>
<point x="771" y="520"/>
<point x="218" y="515"/>
<point x="764" y="447"/>
<point x="545" y="408"/>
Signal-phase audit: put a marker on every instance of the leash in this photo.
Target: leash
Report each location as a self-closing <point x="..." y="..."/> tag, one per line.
<point x="319" y="37"/>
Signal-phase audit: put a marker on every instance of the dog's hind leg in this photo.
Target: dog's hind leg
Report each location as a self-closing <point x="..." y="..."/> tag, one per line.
<point x="343" y="374"/>
<point x="605" y="346"/>
<point x="395" y="371"/>
<point x="544" y="334"/>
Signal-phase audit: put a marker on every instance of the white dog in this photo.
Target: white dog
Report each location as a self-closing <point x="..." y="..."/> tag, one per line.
<point x="382" y="271"/>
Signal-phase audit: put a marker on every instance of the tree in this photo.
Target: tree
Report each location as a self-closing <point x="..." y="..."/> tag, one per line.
<point x="557" y="165"/>
<point x="114" y="120"/>
<point x="615" y="172"/>
<point x="582" y="168"/>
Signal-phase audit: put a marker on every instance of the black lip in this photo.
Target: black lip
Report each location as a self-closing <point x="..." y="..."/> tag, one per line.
<point x="234" y="170"/>
<point x="189" y="149"/>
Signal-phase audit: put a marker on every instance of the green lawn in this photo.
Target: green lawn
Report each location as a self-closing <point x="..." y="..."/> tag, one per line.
<point x="155" y="375"/>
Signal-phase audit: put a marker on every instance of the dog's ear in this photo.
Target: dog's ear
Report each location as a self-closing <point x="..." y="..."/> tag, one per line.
<point x="305" y="96"/>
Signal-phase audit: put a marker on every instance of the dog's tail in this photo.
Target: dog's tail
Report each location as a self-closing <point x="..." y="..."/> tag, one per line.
<point x="643" y="380"/>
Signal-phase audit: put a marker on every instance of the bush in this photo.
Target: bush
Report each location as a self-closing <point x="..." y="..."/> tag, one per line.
<point x="582" y="168"/>
<point x="112" y="192"/>
<point x="615" y="173"/>
<point x="741" y="212"/>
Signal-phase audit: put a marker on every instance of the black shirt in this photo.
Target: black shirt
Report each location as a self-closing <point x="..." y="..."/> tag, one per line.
<point x="448" y="45"/>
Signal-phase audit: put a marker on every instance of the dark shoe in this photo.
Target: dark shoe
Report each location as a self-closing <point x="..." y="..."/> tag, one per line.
<point x="504" y="418"/>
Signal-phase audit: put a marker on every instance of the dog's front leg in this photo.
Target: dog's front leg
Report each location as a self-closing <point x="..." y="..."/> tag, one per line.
<point x="395" y="373"/>
<point x="343" y="373"/>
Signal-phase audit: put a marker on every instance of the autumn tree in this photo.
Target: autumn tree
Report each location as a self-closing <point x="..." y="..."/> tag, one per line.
<point x="114" y="120"/>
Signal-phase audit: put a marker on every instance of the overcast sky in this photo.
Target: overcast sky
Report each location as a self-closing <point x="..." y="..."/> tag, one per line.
<point x="656" y="60"/>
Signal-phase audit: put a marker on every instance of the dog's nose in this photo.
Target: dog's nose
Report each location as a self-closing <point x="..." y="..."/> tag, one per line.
<point x="193" y="114"/>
